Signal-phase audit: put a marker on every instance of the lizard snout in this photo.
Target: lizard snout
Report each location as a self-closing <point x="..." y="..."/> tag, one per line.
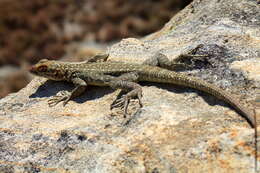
<point x="32" y="69"/>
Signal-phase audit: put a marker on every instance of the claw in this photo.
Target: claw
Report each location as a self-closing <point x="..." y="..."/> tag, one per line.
<point x="124" y="101"/>
<point x="63" y="96"/>
<point x="54" y="101"/>
<point x="127" y="100"/>
<point x="66" y="101"/>
<point x="139" y="97"/>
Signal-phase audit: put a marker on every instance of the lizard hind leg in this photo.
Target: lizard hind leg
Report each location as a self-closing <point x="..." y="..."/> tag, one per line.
<point x="163" y="61"/>
<point x="182" y="62"/>
<point x="97" y="58"/>
<point x="123" y="102"/>
<point x="129" y="87"/>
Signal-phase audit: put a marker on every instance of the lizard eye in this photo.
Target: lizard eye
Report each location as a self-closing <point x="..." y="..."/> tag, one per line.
<point x="42" y="68"/>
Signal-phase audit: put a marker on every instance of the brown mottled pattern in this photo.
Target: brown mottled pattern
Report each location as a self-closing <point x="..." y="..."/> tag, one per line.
<point x="89" y="71"/>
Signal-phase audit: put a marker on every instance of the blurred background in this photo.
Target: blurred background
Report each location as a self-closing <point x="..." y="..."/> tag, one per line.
<point x="31" y="30"/>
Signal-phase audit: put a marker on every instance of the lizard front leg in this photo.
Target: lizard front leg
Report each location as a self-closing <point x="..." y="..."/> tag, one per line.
<point x="66" y="95"/>
<point x="127" y="84"/>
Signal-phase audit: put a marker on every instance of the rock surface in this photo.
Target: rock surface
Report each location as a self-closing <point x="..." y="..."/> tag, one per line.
<point x="177" y="130"/>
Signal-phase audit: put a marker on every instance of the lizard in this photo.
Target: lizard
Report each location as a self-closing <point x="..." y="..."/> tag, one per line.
<point x="98" y="71"/>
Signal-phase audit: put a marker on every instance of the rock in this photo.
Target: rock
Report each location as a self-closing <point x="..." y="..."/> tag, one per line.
<point x="177" y="130"/>
<point x="250" y="66"/>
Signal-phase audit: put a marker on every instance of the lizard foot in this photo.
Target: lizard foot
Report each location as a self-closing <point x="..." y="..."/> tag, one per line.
<point x="190" y="59"/>
<point x="123" y="101"/>
<point x="62" y="96"/>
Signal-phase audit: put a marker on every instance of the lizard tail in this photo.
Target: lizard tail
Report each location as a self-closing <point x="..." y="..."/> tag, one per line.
<point x="166" y="76"/>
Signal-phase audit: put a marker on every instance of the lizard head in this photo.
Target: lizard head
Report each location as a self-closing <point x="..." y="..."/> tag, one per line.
<point x="49" y="69"/>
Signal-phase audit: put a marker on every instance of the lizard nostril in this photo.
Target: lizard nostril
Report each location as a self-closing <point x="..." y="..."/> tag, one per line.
<point x="29" y="68"/>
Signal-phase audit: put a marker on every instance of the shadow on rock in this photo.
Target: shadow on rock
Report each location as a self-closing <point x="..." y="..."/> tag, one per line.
<point x="51" y="88"/>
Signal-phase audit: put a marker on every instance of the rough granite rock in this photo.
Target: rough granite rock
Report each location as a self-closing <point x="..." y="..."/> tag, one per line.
<point x="177" y="130"/>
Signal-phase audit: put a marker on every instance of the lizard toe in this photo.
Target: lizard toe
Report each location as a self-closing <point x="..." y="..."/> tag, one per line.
<point x="118" y="103"/>
<point x="56" y="99"/>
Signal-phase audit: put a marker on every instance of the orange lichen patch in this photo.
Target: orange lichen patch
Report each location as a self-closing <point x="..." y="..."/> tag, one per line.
<point x="214" y="147"/>
<point x="224" y="164"/>
<point x="144" y="154"/>
<point x="233" y="133"/>
<point x="245" y="146"/>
